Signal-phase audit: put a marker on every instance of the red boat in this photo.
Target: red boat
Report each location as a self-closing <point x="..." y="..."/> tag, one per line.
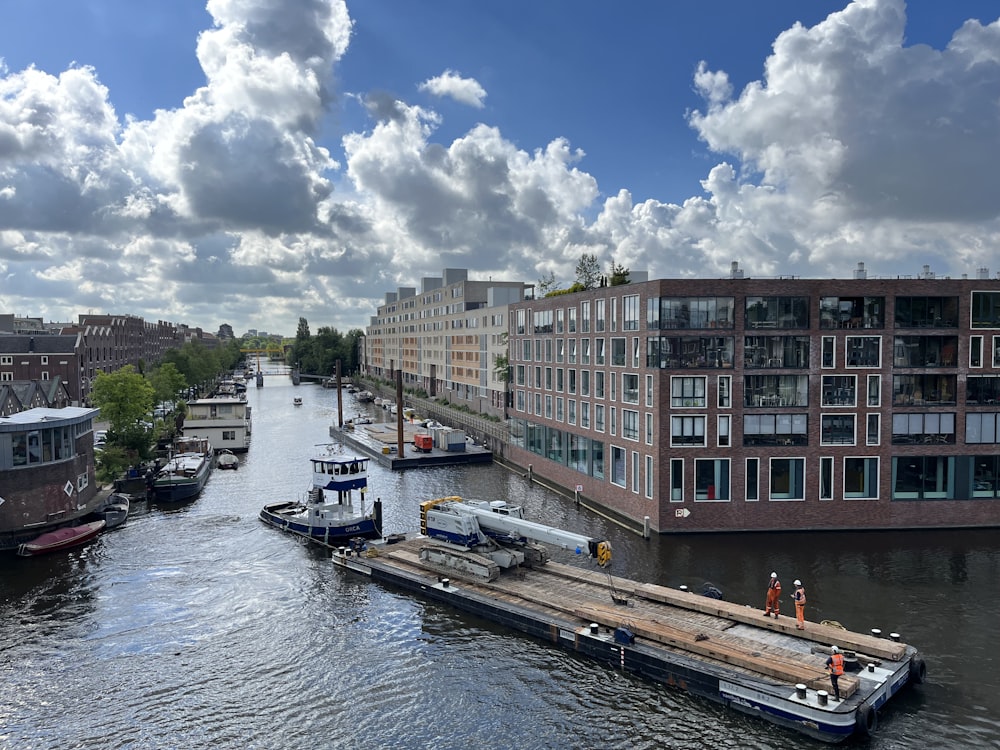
<point x="69" y="536"/>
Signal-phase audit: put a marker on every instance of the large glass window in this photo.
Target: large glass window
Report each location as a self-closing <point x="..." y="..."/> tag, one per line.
<point x="924" y="389"/>
<point x="775" y="429"/>
<point x="687" y="392"/>
<point x="925" y="351"/>
<point x="986" y="309"/>
<point x="927" y="429"/>
<point x="630" y="424"/>
<point x="687" y="431"/>
<point x="863" y="351"/>
<point x="852" y="312"/>
<point x="926" y="312"/>
<point x="689" y="312"/>
<point x="618" y="466"/>
<point x="630" y="312"/>
<point x="840" y="390"/>
<point x="711" y="479"/>
<point x="685" y="352"/>
<point x="787" y="479"/>
<point x="777" y="312"/>
<point x="923" y="477"/>
<point x="982" y="389"/>
<point x="617" y="352"/>
<point x="837" y="429"/>
<point x="861" y="477"/>
<point x="776" y="390"/>
<point x="630" y="388"/>
<point x="776" y="351"/>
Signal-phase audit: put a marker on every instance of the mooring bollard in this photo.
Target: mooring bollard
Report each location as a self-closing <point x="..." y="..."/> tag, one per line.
<point x="822" y="696"/>
<point x="594" y="628"/>
<point x="800" y="691"/>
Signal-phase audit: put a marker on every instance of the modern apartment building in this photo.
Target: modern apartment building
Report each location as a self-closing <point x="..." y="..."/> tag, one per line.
<point x="769" y="404"/>
<point x="445" y="339"/>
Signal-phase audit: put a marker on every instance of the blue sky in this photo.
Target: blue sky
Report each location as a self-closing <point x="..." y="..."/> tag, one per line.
<point x="253" y="162"/>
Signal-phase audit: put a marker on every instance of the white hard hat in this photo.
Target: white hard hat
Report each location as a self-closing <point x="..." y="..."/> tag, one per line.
<point x="835" y="650"/>
<point x="774" y="575"/>
<point x="798" y="582"/>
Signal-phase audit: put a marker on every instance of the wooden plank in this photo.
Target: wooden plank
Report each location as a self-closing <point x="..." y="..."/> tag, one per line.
<point x="825" y="634"/>
<point x="770" y="665"/>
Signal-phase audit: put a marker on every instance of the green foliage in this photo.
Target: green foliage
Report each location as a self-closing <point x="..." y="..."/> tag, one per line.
<point x="318" y="355"/>
<point x="501" y="368"/>
<point x="124" y="397"/>
<point x="588" y="271"/>
<point x="619" y="275"/>
<point x="303" y="330"/>
<point x="110" y="463"/>
<point x="167" y="382"/>
<point x="547" y="285"/>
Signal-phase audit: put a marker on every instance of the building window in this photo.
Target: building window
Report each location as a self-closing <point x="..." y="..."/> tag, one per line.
<point x="986" y="310"/>
<point x="923" y="477"/>
<point x="760" y="352"/>
<point x="985" y="475"/>
<point x="560" y="379"/>
<point x="548" y="407"/>
<point x="585" y="414"/>
<point x="649" y="428"/>
<point x="837" y="429"/>
<point x="7" y="359"/>
<point x="613" y="422"/>
<point x="975" y="351"/>
<point x="599" y="417"/>
<point x="925" y="351"/>
<point x="572" y="320"/>
<point x="725" y="391"/>
<point x="630" y="424"/>
<point x="677" y="480"/>
<point x="787" y="481"/>
<point x="560" y="350"/>
<point x="228" y="435"/>
<point x="571" y="385"/>
<point x="598" y="384"/>
<point x="924" y="389"/>
<point x="519" y="375"/>
<point x="548" y="378"/>
<point x="980" y="428"/>
<point x="982" y="389"/>
<point x="829" y="350"/>
<point x="840" y="390"/>
<point x="584" y="382"/>
<point x="585" y="317"/>
<point x="635" y="472"/>
<point x="617" y="466"/>
<point x="863" y="351"/>
<point x="45" y="360"/>
<point x="519" y="400"/>
<point x="775" y="429"/>
<point x="649" y="477"/>
<point x="931" y="429"/>
<point x="777" y="312"/>
<point x="861" y="478"/>
<point x="538" y="404"/>
<point x="689" y="312"/>
<point x="724" y="423"/>
<point x="687" y="431"/>
<point x="572" y="351"/>
<point x="926" y="312"/>
<point x="599" y="319"/>
<point x="649" y="390"/>
<point x="852" y="312"/>
<point x="874" y="431"/>
<point x="826" y="478"/>
<point x="571" y="411"/>
<point x="584" y="351"/>
<point x="599" y="358"/>
<point x="753" y="479"/>
<point x="630" y="388"/>
<point x="559" y="409"/>
<point x="711" y="479"/>
<point x="874" y="390"/>
<point x="687" y="392"/>
<point x="613" y="380"/>
<point x="630" y="312"/>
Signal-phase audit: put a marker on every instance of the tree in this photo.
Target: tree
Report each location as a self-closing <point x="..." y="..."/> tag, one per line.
<point x="619" y="275"/>
<point x="302" y="333"/>
<point x="167" y="382"/>
<point x="547" y="285"/>
<point x="588" y="271"/>
<point x="125" y="399"/>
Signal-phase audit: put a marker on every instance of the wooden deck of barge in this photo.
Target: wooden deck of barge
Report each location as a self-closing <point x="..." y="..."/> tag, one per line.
<point x="737" y="636"/>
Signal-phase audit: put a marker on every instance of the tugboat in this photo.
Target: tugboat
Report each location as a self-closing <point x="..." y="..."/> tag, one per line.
<point x="336" y="520"/>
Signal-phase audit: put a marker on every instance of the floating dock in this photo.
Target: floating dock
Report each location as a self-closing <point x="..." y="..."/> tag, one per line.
<point x="727" y="652"/>
<point x="381" y="442"/>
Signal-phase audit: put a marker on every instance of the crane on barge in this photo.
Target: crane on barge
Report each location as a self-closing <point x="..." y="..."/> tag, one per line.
<point x="479" y="538"/>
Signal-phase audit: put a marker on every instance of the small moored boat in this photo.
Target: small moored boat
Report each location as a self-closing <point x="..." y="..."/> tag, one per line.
<point x="339" y="518"/>
<point x="60" y="539"/>
<point x="226" y="459"/>
<point x="186" y="472"/>
<point x="113" y="512"/>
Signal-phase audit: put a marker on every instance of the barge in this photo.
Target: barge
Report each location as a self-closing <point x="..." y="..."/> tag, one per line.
<point x="711" y="648"/>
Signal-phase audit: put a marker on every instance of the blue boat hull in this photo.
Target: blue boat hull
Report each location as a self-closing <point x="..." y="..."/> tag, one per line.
<point x="367" y="528"/>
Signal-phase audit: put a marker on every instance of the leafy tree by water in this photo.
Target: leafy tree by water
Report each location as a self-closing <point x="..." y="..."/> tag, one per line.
<point x="125" y="399"/>
<point x="167" y="382"/>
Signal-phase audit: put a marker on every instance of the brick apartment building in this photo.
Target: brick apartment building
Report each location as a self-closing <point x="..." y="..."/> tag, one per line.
<point x="445" y="339"/>
<point x="767" y="404"/>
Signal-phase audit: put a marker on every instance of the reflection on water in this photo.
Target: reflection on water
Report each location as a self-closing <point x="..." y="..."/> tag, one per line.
<point x="199" y="627"/>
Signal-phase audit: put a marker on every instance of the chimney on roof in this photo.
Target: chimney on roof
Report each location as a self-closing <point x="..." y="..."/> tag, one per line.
<point x="927" y="272"/>
<point x="983" y="273"/>
<point x="734" y="270"/>
<point x="860" y="272"/>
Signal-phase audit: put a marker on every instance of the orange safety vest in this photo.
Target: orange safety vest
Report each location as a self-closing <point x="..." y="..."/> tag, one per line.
<point x="837" y="664"/>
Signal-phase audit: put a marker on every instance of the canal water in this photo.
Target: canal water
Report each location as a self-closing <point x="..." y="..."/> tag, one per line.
<point x="200" y="627"/>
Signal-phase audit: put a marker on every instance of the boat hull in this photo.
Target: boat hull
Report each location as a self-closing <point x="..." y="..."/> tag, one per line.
<point x="60" y="539"/>
<point x="282" y="516"/>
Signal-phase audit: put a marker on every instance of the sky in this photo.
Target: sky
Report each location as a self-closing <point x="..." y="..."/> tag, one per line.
<point x="254" y="162"/>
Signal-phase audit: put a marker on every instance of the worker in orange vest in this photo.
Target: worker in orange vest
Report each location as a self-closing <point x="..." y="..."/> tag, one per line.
<point x="799" y="597"/>
<point x="773" y="603"/>
<point x="835" y="663"/>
